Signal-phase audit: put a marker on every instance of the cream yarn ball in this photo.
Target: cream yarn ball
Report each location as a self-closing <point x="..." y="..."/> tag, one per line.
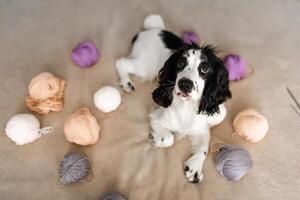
<point x="107" y="99"/>
<point x="82" y="127"/>
<point x="251" y="125"/>
<point x="25" y="128"/>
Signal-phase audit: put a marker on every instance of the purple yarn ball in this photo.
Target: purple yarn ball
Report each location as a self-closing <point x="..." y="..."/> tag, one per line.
<point x="190" y="37"/>
<point x="233" y="162"/>
<point x="85" y="54"/>
<point x="236" y="66"/>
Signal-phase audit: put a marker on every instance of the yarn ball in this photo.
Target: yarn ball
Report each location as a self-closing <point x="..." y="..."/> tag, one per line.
<point x="236" y="66"/>
<point x="74" y="167"/>
<point x="45" y="93"/>
<point x="190" y="37"/>
<point x="233" y="162"/>
<point x="251" y="125"/>
<point x="85" y="54"/>
<point x="82" y="127"/>
<point x="112" y="196"/>
<point x="107" y="99"/>
<point x="25" y="128"/>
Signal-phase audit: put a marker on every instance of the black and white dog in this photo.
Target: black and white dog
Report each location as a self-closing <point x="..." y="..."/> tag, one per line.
<point x="192" y="88"/>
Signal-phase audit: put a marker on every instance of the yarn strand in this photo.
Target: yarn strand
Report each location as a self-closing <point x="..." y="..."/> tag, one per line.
<point x="215" y="146"/>
<point x="46" y="130"/>
<point x="232" y="137"/>
<point x="89" y="177"/>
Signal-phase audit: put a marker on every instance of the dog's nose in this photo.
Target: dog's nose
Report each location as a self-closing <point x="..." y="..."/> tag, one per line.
<point x="185" y="85"/>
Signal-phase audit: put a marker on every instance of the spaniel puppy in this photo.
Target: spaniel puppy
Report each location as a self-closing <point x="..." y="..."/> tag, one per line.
<point x="192" y="88"/>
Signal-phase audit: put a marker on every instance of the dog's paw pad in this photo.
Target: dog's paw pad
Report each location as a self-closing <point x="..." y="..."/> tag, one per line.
<point x="192" y="173"/>
<point x="186" y="168"/>
<point x="150" y="137"/>
<point x="127" y="86"/>
<point x="131" y="86"/>
<point x="164" y="141"/>
<point x="196" y="178"/>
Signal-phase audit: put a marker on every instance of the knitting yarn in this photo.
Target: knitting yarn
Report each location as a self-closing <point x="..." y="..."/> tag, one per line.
<point x="25" y="128"/>
<point x="233" y="162"/>
<point x="85" y="54"/>
<point x="45" y="93"/>
<point x="112" y="196"/>
<point x="236" y="66"/>
<point x="190" y="37"/>
<point x="250" y="125"/>
<point x="74" y="167"/>
<point x="82" y="127"/>
<point x="107" y="99"/>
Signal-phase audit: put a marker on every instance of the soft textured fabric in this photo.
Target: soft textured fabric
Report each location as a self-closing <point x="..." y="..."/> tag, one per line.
<point x="82" y="127"/>
<point x="25" y="128"/>
<point x="251" y="125"/>
<point x="236" y="66"/>
<point x="74" y="167"/>
<point x="107" y="99"/>
<point x="85" y="54"/>
<point x="46" y="93"/>
<point x="39" y="36"/>
<point x="233" y="162"/>
<point x="190" y="37"/>
<point x="112" y="196"/>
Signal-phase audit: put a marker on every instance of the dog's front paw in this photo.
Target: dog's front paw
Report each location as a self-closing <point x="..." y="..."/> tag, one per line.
<point x="192" y="170"/>
<point x="127" y="86"/>
<point x="162" y="141"/>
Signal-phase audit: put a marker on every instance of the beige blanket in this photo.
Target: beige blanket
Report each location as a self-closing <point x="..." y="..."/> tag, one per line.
<point x="38" y="36"/>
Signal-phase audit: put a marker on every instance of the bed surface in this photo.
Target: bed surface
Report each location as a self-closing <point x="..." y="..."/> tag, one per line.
<point x="38" y="36"/>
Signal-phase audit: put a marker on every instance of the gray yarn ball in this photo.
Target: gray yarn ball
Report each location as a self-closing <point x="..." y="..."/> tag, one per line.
<point x="233" y="162"/>
<point x="74" y="167"/>
<point x="112" y="196"/>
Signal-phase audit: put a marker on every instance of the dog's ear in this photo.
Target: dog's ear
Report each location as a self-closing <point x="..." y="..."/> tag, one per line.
<point x="163" y="95"/>
<point x="216" y="90"/>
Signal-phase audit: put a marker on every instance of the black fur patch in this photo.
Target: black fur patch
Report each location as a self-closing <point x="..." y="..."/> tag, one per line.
<point x="216" y="90"/>
<point x="166" y="81"/>
<point x="134" y="38"/>
<point x="171" y="40"/>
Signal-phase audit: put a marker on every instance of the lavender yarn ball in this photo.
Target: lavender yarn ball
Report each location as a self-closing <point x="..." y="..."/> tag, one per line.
<point x="74" y="167"/>
<point x="236" y="66"/>
<point x="85" y="54"/>
<point x="233" y="162"/>
<point x="112" y="196"/>
<point x="190" y="37"/>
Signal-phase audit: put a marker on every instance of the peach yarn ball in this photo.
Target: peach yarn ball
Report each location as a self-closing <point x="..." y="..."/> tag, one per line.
<point x="251" y="125"/>
<point x="45" y="93"/>
<point x="82" y="127"/>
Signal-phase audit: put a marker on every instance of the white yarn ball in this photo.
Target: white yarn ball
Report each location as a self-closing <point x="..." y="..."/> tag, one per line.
<point x="107" y="99"/>
<point x="24" y="129"/>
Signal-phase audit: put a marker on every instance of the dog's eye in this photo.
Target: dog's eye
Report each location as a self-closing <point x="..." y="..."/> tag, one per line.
<point x="204" y="68"/>
<point x="181" y="63"/>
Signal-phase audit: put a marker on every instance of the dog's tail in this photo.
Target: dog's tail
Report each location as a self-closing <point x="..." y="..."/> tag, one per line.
<point x="154" y="21"/>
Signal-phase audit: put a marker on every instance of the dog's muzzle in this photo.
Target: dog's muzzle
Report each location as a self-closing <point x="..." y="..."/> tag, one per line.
<point x="185" y="85"/>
